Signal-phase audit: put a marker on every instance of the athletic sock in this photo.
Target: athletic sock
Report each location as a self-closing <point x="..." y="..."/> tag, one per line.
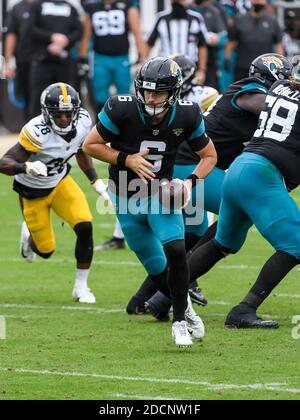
<point x="273" y="271"/>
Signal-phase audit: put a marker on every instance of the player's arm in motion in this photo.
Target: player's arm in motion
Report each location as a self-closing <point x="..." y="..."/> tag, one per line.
<point x="95" y="146"/>
<point x="85" y="163"/>
<point x="15" y="162"/>
<point x="207" y="163"/>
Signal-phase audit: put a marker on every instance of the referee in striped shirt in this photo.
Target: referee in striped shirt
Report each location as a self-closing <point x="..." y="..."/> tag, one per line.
<point x="181" y="31"/>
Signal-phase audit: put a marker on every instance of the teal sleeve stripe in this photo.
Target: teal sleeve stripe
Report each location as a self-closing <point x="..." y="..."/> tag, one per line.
<point x="172" y="116"/>
<point x="135" y="4"/>
<point x="198" y="132"/>
<point x="251" y="87"/>
<point x="107" y="122"/>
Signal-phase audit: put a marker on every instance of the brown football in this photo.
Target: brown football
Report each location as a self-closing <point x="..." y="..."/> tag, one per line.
<point x="171" y="194"/>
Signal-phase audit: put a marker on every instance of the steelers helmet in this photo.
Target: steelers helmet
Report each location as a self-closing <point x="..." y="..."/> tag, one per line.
<point x="57" y="98"/>
<point x="271" y="67"/>
<point x="188" y="69"/>
<point x="158" y="74"/>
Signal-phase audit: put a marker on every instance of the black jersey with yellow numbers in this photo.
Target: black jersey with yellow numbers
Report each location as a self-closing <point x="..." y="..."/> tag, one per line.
<point x="110" y="25"/>
<point x="122" y="124"/>
<point x="228" y="126"/>
<point x="278" y="133"/>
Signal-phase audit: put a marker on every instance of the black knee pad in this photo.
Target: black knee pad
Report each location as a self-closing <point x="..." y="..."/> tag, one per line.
<point x="84" y="244"/>
<point x="84" y="230"/>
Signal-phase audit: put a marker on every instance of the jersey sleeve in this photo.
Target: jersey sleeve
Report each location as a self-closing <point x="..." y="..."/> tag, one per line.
<point x="85" y="119"/>
<point x="198" y="139"/>
<point x="29" y="138"/>
<point x="249" y="89"/>
<point x="12" y="24"/>
<point x="109" y="120"/>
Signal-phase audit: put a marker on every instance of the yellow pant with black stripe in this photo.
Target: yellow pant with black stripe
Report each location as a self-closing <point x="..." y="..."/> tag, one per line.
<point x="67" y="200"/>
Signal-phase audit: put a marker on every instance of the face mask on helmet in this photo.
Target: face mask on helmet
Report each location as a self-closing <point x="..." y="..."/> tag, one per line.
<point x="158" y="75"/>
<point x="152" y="111"/>
<point x="60" y="105"/>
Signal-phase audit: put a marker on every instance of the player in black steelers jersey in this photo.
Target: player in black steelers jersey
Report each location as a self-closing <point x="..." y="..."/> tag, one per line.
<point x="230" y="123"/>
<point x="145" y="132"/>
<point x="255" y="191"/>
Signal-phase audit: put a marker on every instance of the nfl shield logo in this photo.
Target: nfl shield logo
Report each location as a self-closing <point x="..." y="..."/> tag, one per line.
<point x="155" y="132"/>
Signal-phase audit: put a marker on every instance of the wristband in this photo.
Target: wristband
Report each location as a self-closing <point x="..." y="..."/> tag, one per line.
<point x="121" y="159"/>
<point x="194" y="179"/>
<point x="91" y="175"/>
<point x="19" y="168"/>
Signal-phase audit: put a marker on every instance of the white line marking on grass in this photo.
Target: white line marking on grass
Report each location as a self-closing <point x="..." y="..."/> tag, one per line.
<point x="277" y="386"/>
<point x="141" y="397"/>
<point x="287" y="295"/>
<point x="68" y="308"/>
<point x="216" y="302"/>
<point x="123" y="262"/>
<point x="109" y="311"/>
<point x="69" y="261"/>
<point x="244" y="267"/>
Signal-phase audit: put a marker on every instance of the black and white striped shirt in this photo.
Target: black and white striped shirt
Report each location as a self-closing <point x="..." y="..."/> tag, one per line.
<point x="182" y="36"/>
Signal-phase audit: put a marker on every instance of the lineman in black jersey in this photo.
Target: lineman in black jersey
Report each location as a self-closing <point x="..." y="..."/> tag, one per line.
<point x="255" y="190"/>
<point x="145" y="132"/>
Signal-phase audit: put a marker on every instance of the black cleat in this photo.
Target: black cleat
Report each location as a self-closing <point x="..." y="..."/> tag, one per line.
<point x="243" y="316"/>
<point x="197" y="296"/>
<point x="154" y="311"/>
<point x="113" y="243"/>
<point x="136" y="307"/>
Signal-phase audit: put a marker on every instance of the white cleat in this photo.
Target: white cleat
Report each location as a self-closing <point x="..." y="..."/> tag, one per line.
<point x="181" y="335"/>
<point x="194" y="323"/>
<point x="25" y="248"/>
<point x="83" y="295"/>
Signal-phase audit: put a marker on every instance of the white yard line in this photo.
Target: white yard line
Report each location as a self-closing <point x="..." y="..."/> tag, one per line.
<point x="287" y="295"/>
<point x="122" y="262"/>
<point x="277" y="387"/>
<point x="71" y="261"/>
<point x="67" y="308"/>
<point x="141" y="397"/>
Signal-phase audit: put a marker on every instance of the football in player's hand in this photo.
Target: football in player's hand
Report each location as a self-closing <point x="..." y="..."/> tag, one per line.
<point x="173" y="194"/>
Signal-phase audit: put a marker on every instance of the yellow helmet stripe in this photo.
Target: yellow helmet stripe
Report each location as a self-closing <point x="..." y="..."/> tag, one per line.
<point x="64" y="92"/>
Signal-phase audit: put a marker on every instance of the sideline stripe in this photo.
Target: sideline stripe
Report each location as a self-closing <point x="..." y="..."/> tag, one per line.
<point x="277" y="386"/>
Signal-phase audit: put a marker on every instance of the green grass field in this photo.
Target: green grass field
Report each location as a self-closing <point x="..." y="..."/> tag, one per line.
<point x="58" y="349"/>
